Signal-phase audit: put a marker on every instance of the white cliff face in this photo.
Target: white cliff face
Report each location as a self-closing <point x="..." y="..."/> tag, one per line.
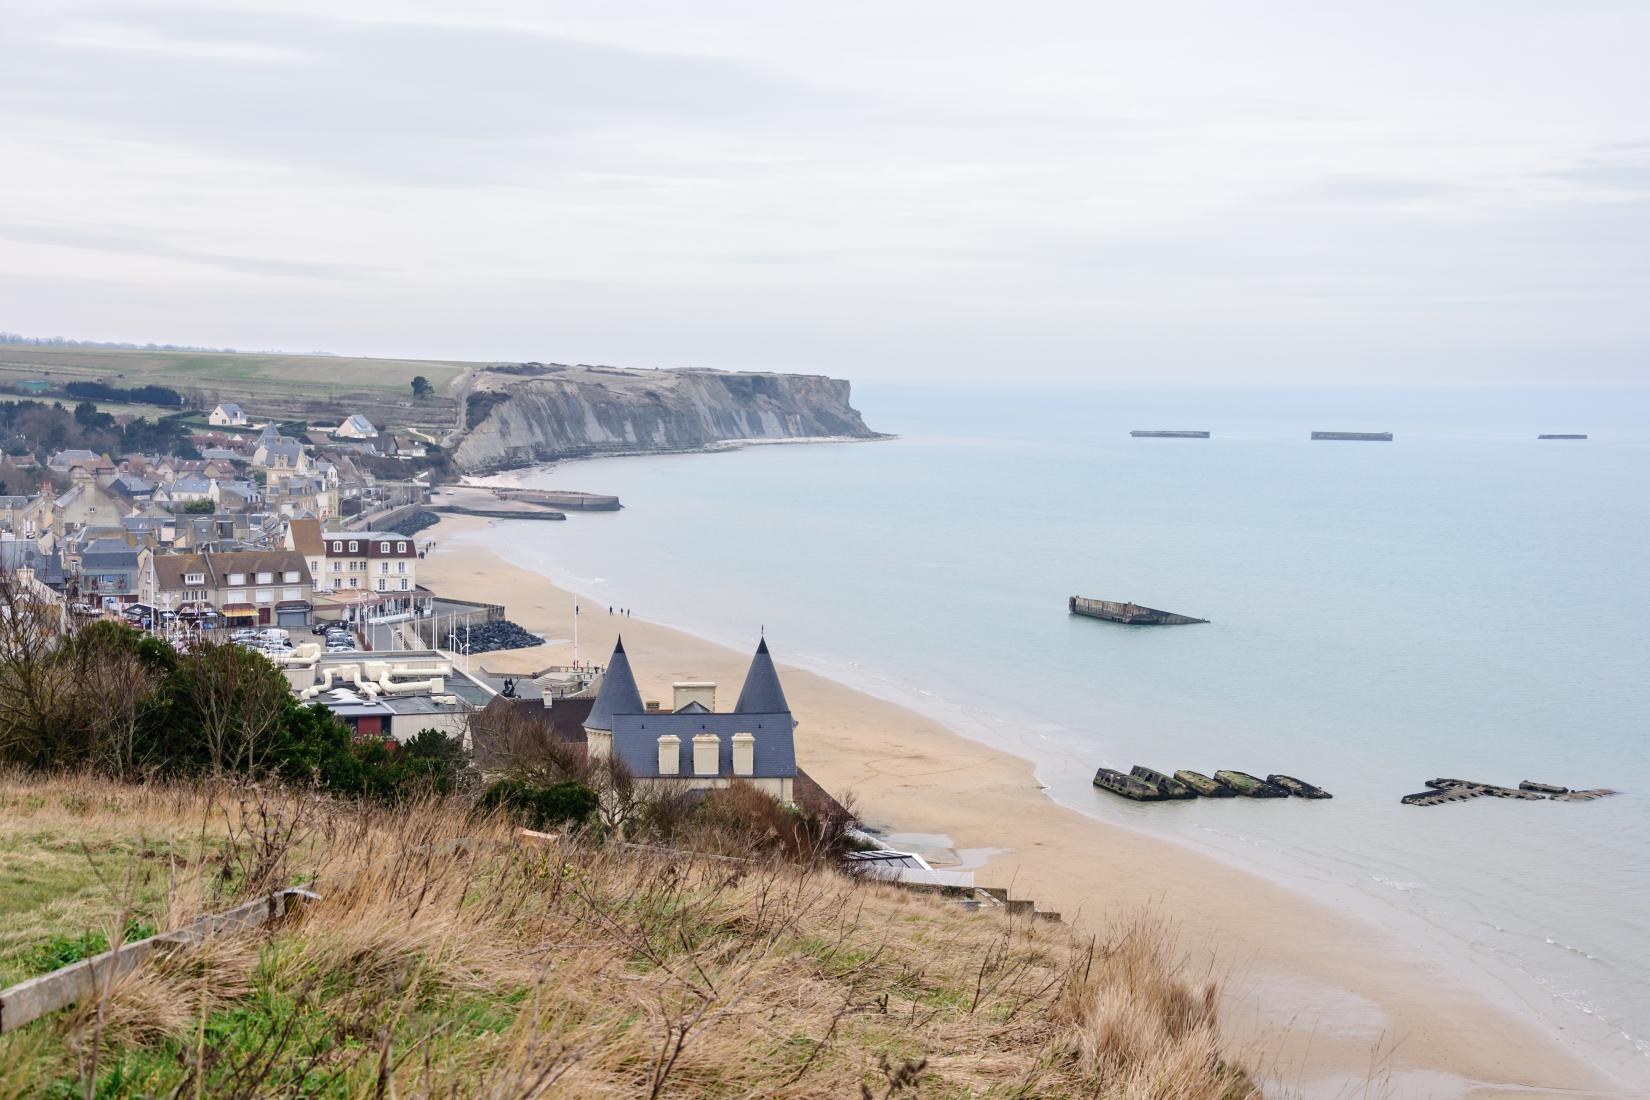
<point x="564" y="412"/>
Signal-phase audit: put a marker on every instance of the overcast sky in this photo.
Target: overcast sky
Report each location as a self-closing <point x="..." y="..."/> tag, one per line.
<point x="1259" y="191"/>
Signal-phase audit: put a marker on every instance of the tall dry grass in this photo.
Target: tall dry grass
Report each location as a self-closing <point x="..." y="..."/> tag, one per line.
<point x="446" y="960"/>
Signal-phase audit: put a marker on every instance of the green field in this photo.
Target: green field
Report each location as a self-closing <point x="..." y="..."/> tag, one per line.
<point x="252" y="372"/>
<point x="268" y="385"/>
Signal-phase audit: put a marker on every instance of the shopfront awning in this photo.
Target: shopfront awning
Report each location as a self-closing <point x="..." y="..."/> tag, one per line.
<point x="238" y="611"/>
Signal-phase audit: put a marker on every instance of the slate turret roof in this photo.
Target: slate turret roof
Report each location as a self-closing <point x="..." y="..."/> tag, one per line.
<point x="762" y="693"/>
<point x="618" y="693"/>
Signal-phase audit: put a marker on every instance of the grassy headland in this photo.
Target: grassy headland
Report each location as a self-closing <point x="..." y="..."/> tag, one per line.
<point x="576" y="969"/>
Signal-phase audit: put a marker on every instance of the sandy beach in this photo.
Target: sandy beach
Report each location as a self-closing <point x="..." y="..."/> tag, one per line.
<point x="1321" y="1002"/>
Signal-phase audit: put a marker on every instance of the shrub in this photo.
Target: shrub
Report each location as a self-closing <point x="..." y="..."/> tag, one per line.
<point x="568" y="802"/>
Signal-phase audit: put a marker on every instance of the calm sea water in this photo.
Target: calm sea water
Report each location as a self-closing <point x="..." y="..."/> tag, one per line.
<point x="1465" y="601"/>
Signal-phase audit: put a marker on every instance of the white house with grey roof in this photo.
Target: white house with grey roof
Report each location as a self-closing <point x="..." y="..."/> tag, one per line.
<point x="693" y="746"/>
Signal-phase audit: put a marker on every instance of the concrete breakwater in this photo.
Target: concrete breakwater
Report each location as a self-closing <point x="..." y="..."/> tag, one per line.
<point x="1143" y="784"/>
<point x="1440" y="791"/>
<point x="1169" y="434"/>
<point x="1366" y="437"/>
<point x="499" y="513"/>
<point x="1130" y="614"/>
<point x="560" y="498"/>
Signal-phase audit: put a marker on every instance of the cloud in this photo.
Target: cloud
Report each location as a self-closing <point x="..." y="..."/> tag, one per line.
<point x="923" y="189"/>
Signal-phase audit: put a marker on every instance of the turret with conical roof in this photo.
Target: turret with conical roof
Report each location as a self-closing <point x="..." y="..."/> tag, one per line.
<point x="618" y="693"/>
<point x="762" y="693"/>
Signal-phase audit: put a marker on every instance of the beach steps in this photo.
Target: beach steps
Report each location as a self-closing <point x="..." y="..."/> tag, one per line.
<point x="1143" y="784"/>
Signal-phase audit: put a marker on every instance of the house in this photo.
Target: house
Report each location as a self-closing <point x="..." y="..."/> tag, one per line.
<point x="110" y="572"/>
<point x="245" y="587"/>
<point x="371" y="561"/>
<point x="394" y="695"/>
<point x="235" y="495"/>
<point x="693" y="746"/>
<point x="356" y="426"/>
<point x="65" y="460"/>
<point x="185" y="489"/>
<point x="46" y="567"/>
<point x="25" y="517"/>
<point x="87" y="503"/>
<point x="304" y="536"/>
<point x="227" y="416"/>
<point x="280" y="455"/>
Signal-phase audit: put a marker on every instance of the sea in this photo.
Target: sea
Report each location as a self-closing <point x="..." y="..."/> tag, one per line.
<point x="1464" y="601"/>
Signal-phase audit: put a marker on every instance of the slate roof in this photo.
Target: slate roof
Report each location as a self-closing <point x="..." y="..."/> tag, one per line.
<point x="618" y="693"/>
<point x="25" y="554"/>
<point x="762" y="693"/>
<point x="636" y="742"/>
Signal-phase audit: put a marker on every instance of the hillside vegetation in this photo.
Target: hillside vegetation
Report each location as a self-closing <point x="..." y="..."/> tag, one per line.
<point x="441" y="966"/>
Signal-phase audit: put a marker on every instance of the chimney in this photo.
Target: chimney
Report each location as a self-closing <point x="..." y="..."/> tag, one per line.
<point x="670" y="754"/>
<point x="702" y="692"/>
<point x="744" y="754"/>
<point x="706" y="748"/>
<point x="653" y="706"/>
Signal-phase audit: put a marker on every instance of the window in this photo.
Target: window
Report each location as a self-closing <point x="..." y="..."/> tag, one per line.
<point x="237" y="579"/>
<point x="403" y="584"/>
<point x="351" y="583"/>
<point x="382" y="584"/>
<point x="235" y="595"/>
<point x="266" y="595"/>
<point x="292" y="593"/>
<point x="337" y="548"/>
<point x="383" y="548"/>
<point x="290" y="576"/>
<point x="383" y="567"/>
<point x="337" y="566"/>
<point x="400" y="548"/>
<point x="400" y="567"/>
<point x="194" y="578"/>
<point x="266" y="578"/>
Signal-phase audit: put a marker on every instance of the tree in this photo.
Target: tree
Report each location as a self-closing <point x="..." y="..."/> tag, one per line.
<point x="421" y="387"/>
<point x="235" y="701"/>
<point x="203" y="507"/>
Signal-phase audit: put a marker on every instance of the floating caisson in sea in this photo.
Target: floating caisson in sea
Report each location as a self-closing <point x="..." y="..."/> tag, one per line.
<point x="1250" y="786"/>
<point x="1298" y="787"/>
<point x="1130" y="614"/>
<point x="1127" y="785"/>
<point x="1529" y="790"/>
<point x="1160" y="433"/>
<point x="1203" y="785"/>
<point x="1168" y="787"/>
<point x="1363" y="437"/>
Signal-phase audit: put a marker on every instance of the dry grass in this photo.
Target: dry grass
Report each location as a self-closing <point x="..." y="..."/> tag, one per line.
<point x="438" y="968"/>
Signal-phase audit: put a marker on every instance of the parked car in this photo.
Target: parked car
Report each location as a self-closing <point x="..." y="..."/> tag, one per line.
<point x="275" y="634"/>
<point x="243" y="634"/>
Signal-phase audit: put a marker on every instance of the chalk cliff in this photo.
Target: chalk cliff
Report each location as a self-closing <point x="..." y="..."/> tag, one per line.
<point x="518" y="416"/>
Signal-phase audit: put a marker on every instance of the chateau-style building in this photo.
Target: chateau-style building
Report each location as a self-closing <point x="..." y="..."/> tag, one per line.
<point x="694" y="746"/>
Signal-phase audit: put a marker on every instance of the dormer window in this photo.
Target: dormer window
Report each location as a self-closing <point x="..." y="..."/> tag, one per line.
<point x="266" y="578"/>
<point x="194" y="578"/>
<point x="383" y="548"/>
<point x="290" y="576"/>
<point x="237" y="579"/>
<point x="400" y="548"/>
<point x="337" y="548"/>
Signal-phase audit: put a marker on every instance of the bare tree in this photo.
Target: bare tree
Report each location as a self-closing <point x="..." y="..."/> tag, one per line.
<point x="38" y="689"/>
<point x="238" y="699"/>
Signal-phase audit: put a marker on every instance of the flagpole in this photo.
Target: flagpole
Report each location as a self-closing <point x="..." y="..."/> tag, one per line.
<point x="575" y="633"/>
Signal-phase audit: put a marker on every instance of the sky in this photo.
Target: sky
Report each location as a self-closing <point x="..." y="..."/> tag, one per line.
<point x="1181" y="192"/>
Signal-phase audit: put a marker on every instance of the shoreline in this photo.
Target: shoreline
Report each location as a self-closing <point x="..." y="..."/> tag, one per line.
<point x="511" y="476"/>
<point x="1318" y="998"/>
